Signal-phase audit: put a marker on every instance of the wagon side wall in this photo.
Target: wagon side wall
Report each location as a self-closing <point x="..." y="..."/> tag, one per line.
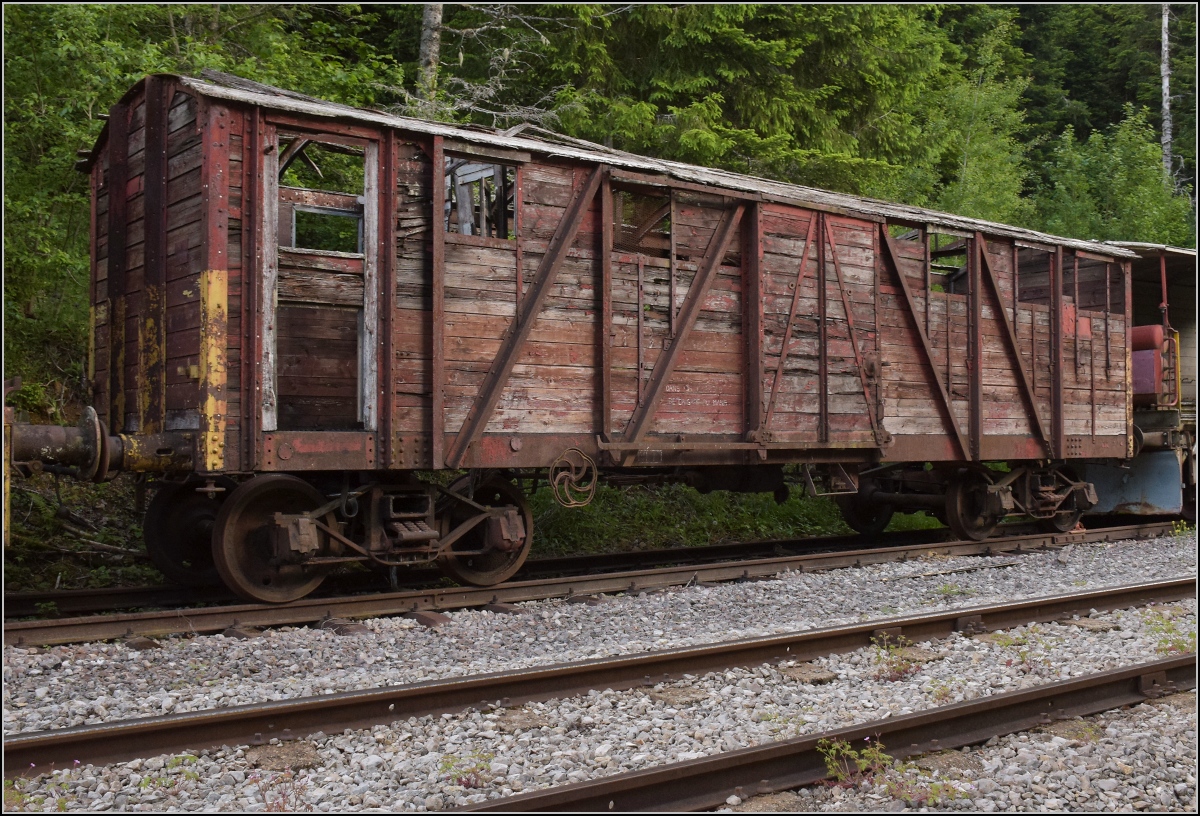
<point x="745" y="332"/>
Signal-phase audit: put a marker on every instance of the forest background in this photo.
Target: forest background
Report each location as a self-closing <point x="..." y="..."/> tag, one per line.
<point x="1043" y="116"/>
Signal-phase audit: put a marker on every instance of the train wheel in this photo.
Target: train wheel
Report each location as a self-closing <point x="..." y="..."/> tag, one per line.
<point x="494" y="566"/>
<point x="967" y="511"/>
<point x="178" y="531"/>
<point x="1068" y="515"/>
<point x="865" y="518"/>
<point x="241" y="542"/>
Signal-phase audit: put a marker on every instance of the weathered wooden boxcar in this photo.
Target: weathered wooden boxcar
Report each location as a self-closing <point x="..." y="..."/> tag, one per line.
<point x="297" y="305"/>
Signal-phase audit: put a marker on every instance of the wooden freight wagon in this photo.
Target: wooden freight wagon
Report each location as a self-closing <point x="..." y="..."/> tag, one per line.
<point x="328" y="299"/>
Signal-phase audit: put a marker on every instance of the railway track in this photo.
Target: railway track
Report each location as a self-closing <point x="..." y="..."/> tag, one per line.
<point x="705" y="783"/>
<point x="258" y="723"/>
<point x="116" y="599"/>
<point x="311" y="610"/>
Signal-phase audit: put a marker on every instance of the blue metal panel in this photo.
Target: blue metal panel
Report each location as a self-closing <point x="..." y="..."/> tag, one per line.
<point x="1152" y="484"/>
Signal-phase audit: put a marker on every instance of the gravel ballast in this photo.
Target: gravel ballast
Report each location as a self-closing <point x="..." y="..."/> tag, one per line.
<point x="433" y="763"/>
<point x="90" y="683"/>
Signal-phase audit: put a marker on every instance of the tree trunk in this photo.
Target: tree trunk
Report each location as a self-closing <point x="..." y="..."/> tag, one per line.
<point x="1166" y="94"/>
<point x="431" y="46"/>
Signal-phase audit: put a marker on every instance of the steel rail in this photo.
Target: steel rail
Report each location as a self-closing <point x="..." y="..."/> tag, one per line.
<point x="236" y="725"/>
<point x="310" y="610"/>
<point x="707" y="782"/>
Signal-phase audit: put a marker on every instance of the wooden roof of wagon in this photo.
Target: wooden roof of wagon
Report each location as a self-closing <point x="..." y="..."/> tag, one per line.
<point x="221" y="86"/>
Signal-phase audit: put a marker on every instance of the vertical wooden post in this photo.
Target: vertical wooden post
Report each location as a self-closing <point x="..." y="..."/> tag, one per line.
<point x="606" y="330"/>
<point x="975" y="344"/>
<point x="822" y="337"/>
<point x="385" y="392"/>
<point x="1107" y="309"/>
<point x="1016" y="283"/>
<point x="152" y="323"/>
<point x="118" y="205"/>
<point x="252" y="205"/>
<point x="1126" y="270"/>
<point x="752" y="317"/>
<point x="518" y="196"/>
<point x="1075" y="308"/>
<point x="641" y="321"/>
<point x="928" y="274"/>
<point x="94" y="305"/>
<point x="438" y="271"/>
<point x="672" y="270"/>
<point x="368" y="386"/>
<point x="269" y="283"/>
<point x="1058" y="421"/>
<point x="214" y="289"/>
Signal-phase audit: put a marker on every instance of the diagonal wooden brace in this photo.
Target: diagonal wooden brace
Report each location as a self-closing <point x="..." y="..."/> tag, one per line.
<point x="947" y="408"/>
<point x="656" y="388"/>
<point x="522" y="326"/>
<point x="1011" y="338"/>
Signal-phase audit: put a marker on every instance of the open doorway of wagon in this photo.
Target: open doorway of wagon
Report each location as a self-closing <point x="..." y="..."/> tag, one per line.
<point x="321" y="335"/>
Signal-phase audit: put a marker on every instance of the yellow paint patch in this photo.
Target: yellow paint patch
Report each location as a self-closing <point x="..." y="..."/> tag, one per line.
<point x="214" y="328"/>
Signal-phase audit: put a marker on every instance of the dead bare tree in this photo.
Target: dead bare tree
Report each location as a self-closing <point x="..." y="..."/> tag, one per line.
<point x="430" y="54"/>
<point x="508" y="34"/>
<point x="1166" y="93"/>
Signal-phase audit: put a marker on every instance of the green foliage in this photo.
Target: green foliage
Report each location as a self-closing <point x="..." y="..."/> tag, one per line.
<point x="1111" y="187"/>
<point x="52" y="543"/>
<point x="65" y="65"/>
<point x="981" y="124"/>
<point x="643" y="518"/>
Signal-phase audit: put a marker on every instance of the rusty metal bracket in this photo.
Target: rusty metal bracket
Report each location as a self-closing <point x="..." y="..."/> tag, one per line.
<point x="970" y="625"/>
<point x="1155" y="684"/>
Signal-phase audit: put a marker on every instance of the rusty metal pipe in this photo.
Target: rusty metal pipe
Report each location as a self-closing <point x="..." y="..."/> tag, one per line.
<point x="935" y="500"/>
<point x="96" y="454"/>
<point x="51" y="444"/>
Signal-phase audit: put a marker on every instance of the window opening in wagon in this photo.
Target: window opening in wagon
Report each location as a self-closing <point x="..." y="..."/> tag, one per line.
<point x="321" y="185"/>
<point x="480" y="198"/>
<point x="642" y="223"/>
<point x="948" y="263"/>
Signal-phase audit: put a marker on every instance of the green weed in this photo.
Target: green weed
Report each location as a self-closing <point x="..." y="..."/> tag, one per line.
<point x="942" y="692"/>
<point x="469" y="771"/>
<point x="849" y="767"/>
<point x="950" y="590"/>
<point x="281" y="792"/>
<point x="1169" y="636"/>
<point x="891" y="661"/>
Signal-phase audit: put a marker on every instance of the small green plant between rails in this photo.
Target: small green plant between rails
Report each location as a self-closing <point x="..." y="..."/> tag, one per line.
<point x="1180" y="527"/>
<point x="281" y="792"/>
<point x="1170" y="637"/>
<point x="891" y="659"/>
<point x="470" y="771"/>
<point x="848" y="767"/>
